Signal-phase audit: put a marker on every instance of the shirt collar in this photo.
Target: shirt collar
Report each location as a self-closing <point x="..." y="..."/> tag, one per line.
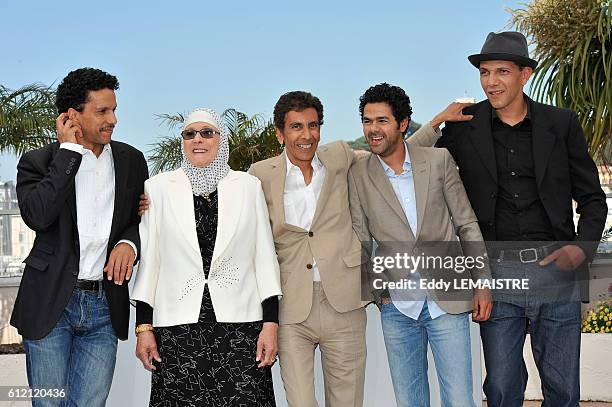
<point x="407" y="165"/>
<point x="316" y="164"/>
<point x="105" y="149"/>
<point x="527" y="119"/>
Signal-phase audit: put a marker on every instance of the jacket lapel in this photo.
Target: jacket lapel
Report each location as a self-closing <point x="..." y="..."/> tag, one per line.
<point x="420" y="175"/>
<point x="543" y="142"/>
<point x="277" y="190"/>
<point x="382" y="183"/>
<point x="231" y="194"/>
<point x="72" y="194"/>
<point x="72" y="205"/>
<point x="121" y="177"/>
<point x="330" y="175"/>
<point x="482" y="138"/>
<point x="182" y="209"/>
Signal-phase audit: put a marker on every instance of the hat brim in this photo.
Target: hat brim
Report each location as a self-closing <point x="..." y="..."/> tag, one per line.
<point x="476" y="59"/>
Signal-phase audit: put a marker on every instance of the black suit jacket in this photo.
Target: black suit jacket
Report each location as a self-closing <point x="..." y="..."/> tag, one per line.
<point x="47" y="200"/>
<point x="563" y="168"/>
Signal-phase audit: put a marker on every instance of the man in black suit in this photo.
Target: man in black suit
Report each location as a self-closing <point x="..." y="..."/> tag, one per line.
<point x="80" y="196"/>
<point x="522" y="163"/>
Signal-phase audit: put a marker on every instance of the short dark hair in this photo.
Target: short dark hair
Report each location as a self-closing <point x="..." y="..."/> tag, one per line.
<point x="75" y="87"/>
<point x="394" y="96"/>
<point x="297" y="101"/>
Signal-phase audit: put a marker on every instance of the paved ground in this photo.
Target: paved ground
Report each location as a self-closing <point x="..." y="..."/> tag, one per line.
<point x="582" y="404"/>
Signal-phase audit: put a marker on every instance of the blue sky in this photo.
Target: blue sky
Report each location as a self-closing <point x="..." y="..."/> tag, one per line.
<point x="176" y="56"/>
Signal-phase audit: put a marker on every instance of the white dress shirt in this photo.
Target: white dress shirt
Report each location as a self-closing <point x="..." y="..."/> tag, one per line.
<point x="301" y="199"/>
<point x="95" y="203"/>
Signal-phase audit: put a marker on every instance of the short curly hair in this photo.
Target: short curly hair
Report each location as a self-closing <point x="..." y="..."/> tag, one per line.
<point x="297" y="101"/>
<point x="394" y="96"/>
<point x="75" y="87"/>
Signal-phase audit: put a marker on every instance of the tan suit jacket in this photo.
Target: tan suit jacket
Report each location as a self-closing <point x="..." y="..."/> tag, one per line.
<point x="443" y="212"/>
<point x="331" y="240"/>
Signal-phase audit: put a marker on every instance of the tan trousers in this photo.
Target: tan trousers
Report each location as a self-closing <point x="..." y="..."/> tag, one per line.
<point x="341" y="337"/>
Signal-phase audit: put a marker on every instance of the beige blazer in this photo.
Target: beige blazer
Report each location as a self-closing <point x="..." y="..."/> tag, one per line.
<point x="444" y="213"/>
<point x="244" y="270"/>
<point x="331" y="240"/>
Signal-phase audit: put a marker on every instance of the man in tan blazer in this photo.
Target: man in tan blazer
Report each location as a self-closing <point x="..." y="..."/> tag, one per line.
<point x="401" y="196"/>
<point x="319" y="254"/>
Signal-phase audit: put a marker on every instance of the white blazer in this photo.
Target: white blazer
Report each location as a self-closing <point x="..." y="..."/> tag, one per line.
<point x="244" y="270"/>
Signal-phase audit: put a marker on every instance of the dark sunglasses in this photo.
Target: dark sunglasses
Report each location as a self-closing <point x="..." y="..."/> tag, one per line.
<point x="204" y="133"/>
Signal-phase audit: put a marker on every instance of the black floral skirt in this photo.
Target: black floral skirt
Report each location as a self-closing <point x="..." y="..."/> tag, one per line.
<point x="210" y="364"/>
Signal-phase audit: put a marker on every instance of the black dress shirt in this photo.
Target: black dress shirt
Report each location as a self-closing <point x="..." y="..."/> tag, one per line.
<point x="519" y="213"/>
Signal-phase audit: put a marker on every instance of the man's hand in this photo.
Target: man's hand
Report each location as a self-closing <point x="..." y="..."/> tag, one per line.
<point x="146" y="349"/>
<point x="385" y="300"/>
<point x="567" y="258"/>
<point x="68" y="130"/>
<point x="482" y="305"/>
<point x="143" y="205"/>
<point x="452" y="113"/>
<point x="120" y="262"/>
<point x="267" y="344"/>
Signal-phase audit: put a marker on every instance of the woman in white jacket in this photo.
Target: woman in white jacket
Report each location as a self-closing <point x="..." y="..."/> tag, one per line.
<point x="208" y="282"/>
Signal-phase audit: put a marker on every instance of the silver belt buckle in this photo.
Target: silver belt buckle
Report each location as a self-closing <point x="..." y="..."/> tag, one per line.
<point x="535" y="255"/>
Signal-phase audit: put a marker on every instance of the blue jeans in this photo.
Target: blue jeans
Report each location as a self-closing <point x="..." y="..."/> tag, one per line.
<point x="406" y="343"/>
<point x="78" y="355"/>
<point x="554" y="328"/>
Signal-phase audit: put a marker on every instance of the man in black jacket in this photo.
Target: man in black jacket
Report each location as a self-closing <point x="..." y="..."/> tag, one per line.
<point x="522" y="163"/>
<point x="80" y="196"/>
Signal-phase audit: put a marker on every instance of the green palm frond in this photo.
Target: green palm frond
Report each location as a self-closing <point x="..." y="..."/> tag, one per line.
<point x="27" y="118"/>
<point x="172" y="121"/>
<point x="573" y="44"/>
<point x="165" y="155"/>
<point x="251" y="139"/>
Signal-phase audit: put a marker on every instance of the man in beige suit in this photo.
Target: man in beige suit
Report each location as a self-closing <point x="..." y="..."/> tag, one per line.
<point x="319" y="254"/>
<point x="400" y="196"/>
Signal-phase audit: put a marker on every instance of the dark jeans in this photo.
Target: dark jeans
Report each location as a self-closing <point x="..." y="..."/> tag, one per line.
<point x="554" y="327"/>
<point x="78" y="355"/>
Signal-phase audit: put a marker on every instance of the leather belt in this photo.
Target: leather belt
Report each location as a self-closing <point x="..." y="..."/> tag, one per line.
<point x="528" y="255"/>
<point x="89" y="285"/>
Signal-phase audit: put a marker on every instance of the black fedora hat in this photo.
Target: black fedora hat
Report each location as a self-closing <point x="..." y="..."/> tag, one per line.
<point x="505" y="46"/>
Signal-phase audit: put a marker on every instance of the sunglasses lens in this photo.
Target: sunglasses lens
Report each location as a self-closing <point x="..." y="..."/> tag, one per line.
<point x="205" y="133"/>
<point x="189" y="134"/>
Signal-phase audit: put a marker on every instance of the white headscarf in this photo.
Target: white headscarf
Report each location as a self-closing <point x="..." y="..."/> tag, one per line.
<point x="204" y="180"/>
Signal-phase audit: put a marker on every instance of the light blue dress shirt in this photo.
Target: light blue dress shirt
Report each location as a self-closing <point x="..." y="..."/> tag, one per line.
<point x="403" y="185"/>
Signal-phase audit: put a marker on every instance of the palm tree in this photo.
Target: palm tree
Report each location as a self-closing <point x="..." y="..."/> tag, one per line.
<point x="251" y="139"/>
<point x="27" y="118"/>
<point x="573" y="43"/>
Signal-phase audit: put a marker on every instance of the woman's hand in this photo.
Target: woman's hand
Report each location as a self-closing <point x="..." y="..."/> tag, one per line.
<point x="146" y="349"/>
<point x="267" y="344"/>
